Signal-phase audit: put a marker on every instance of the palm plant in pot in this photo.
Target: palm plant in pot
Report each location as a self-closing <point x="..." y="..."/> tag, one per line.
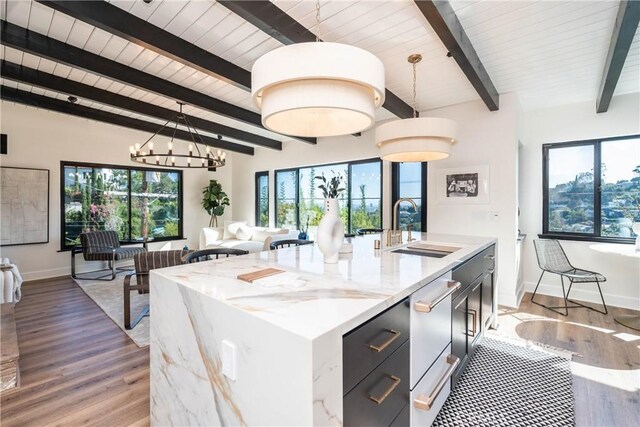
<point x="330" y="230"/>
<point x="214" y="201"/>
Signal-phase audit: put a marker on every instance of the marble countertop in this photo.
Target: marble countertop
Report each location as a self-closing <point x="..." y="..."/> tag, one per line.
<point x="313" y="298"/>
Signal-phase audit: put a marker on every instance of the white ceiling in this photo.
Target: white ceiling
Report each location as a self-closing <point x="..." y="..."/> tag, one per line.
<point x="549" y="52"/>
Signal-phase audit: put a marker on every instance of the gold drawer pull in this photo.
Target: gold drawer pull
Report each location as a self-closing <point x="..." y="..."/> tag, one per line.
<point x="426" y="402"/>
<point x="379" y="348"/>
<point x="426" y="307"/>
<point x="379" y="399"/>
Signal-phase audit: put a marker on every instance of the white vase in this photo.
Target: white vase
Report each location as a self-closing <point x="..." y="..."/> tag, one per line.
<point x="330" y="232"/>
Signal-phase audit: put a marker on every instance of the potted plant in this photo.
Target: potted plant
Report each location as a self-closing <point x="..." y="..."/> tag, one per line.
<point x="330" y="230"/>
<point x="214" y="200"/>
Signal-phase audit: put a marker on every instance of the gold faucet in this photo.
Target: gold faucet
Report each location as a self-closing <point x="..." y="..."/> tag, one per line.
<point x="395" y="234"/>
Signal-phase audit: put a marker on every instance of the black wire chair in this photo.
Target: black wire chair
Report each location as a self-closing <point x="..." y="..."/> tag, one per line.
<point x="364" y="231"/>
<point x="207" y="254"/>
<point x="288" y="243"/>
<point x="552" y="259"/>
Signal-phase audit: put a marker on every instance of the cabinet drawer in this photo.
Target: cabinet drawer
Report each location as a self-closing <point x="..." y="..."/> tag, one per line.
<point x="432" y="391"/>
<point x="474" y="267"/>
<point x="379" y="398"/>
<point x="369" y="345"/>
<point x="430" y="324"/>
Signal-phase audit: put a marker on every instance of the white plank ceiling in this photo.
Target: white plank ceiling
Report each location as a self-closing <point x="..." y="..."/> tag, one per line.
<point x="549" y="52"/>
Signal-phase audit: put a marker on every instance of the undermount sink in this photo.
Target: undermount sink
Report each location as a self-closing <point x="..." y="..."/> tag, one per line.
<point x="427" y="249"/>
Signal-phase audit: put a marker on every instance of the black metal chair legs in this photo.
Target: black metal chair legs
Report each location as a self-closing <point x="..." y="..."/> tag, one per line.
<point x="566" y="299"/>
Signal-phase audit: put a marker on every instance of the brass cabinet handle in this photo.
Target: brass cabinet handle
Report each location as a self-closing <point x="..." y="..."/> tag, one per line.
<point x="379" y="399"/>
<point x="379" y="348"/>
<point x="489" y="256"/>
<point x="426" y="402"/>
<point x="473" y="314"/>
<point x="426" y="307"/>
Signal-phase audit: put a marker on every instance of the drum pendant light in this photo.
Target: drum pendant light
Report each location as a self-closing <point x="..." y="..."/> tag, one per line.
<point x="318" y="89"/>
<point x="419" y="139"/>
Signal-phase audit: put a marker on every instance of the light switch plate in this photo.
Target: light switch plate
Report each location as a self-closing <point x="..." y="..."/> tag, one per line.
<point x="228" y="355"/>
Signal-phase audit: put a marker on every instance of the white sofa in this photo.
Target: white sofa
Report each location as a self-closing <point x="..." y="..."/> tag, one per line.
<point x="239" y="235"/>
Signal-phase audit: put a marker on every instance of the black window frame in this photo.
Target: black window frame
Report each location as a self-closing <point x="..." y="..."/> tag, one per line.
<point x="257" y="198"/>
<point x="395" y="191"/>
<point x="349" y="164"/>
<point x="596" y="236"/>
<point x="129" y="169"/>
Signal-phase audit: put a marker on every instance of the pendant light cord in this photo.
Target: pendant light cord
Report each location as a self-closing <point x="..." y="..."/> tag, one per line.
<point x="318" y="21"/>
<point x="415" y="105"/>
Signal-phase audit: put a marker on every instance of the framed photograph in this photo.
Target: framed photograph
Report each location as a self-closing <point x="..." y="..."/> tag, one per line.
<point x="465" y="185"/>
<point x="24" y="206"/>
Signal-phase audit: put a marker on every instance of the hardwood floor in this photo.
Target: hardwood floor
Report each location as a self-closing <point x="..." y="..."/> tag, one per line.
<point x="606" y="370"/>
<point x="79" y="368"/>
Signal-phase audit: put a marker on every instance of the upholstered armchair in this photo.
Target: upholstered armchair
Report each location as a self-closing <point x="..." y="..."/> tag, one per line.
<point x="102" y="246"/>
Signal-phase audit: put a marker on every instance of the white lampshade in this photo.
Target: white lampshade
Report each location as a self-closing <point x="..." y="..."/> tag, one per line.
<point x="318" y="89"/>
<point x="419" y="139"/>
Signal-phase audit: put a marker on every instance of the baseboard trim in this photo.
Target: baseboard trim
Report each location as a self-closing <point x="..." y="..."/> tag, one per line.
<point x="587" y="295"/>
<point x="57" y="273"/>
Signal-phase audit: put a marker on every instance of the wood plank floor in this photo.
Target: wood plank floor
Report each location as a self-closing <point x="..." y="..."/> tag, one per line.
<point x="79" y="368"/>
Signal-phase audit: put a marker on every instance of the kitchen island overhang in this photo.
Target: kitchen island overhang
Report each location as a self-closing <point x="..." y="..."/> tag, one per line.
<point x="227" y="352"/>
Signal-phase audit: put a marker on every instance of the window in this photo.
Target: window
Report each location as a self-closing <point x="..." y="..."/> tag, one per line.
<point x="592" y="189"/>
<point x="299" y="201"/>
<point x="262" y="199"/>
<point x="133" y="202"/>
<point x="410" y="180"/>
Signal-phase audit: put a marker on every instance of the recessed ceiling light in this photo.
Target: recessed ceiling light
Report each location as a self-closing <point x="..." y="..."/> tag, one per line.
<point x="72" y="99"/>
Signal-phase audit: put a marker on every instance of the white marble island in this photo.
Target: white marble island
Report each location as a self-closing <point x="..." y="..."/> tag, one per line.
<point x="227" y="352"/>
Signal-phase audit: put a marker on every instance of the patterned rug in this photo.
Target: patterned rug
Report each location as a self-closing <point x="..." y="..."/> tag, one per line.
<point x="109" y="297"/>
<point x="511" y="383"/>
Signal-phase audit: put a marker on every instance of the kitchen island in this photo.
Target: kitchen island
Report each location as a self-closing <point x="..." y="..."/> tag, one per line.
<point x="319" y="343"/>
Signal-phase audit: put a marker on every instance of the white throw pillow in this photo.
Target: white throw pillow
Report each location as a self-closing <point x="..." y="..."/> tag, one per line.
<point x="244" y="232"/>
<point x="231" y="227"/>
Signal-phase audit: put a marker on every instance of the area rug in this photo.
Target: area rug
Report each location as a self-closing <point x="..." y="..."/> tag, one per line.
<point x="512" y="383"/>
<point x="110" y="298"/>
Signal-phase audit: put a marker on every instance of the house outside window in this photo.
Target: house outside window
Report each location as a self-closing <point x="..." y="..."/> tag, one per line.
<point x="591" y="189"/>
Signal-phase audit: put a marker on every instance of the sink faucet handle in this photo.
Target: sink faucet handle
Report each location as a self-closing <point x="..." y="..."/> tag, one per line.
<point x="389" y="237"/>
<point x="409" y="238"/>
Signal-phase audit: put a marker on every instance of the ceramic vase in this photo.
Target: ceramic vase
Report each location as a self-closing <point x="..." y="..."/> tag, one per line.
<point x="330" y="232"/>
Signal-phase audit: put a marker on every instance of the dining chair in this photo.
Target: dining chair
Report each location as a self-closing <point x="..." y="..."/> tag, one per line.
<point x="207" y="254"/>
<point x="288" y="243"/>
<point x="553" y="259"/>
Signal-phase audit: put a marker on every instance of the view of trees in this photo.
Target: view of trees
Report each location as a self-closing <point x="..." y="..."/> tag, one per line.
<point x="572" y="202"/>
<point x="98" y="199"/>
<point x="365" y="197"/>
<point x="263" y="200"/>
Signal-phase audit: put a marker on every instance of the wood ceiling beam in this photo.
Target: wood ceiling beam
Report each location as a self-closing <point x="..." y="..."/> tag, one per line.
<point x="116" y="21"/>
<point x="445" y="23"/>
<point x="272" y="20"/>
<point x="37" y="44"/>
<point x="58" y="84"/>
<point x="624" y="30"/>
<point x="47" y="103"/>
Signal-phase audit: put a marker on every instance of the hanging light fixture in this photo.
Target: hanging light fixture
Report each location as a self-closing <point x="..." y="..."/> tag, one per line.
<point x="318" y="89"/>
<point x="196" y="155"/>
<point x="419" y="139"/>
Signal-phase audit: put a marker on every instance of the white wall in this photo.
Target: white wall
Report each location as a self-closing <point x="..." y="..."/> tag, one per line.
<point x="486" y="138"/>
<point x="41" y="139"/>
<point x="569" y="123"/>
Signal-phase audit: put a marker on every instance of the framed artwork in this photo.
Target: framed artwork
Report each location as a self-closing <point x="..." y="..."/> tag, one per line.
<point x="464" y="185"/>
<point x="24" y="206"/>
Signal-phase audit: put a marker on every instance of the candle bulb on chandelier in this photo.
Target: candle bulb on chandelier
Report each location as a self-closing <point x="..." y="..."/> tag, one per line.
<point x="191" y="149"/>
<point x="170" y="147"/>
<point x="189" y="162"/>
<point x="151" y="148"/>
<point x="173" y="161"/>
<point x="137" y="146"/>
<point x="157" y="160"/>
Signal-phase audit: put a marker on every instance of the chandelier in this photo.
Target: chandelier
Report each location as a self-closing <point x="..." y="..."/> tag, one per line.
<point x="318" y="89"/>
<point x="197" y="155"/>
<point x="419" y="139"/>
